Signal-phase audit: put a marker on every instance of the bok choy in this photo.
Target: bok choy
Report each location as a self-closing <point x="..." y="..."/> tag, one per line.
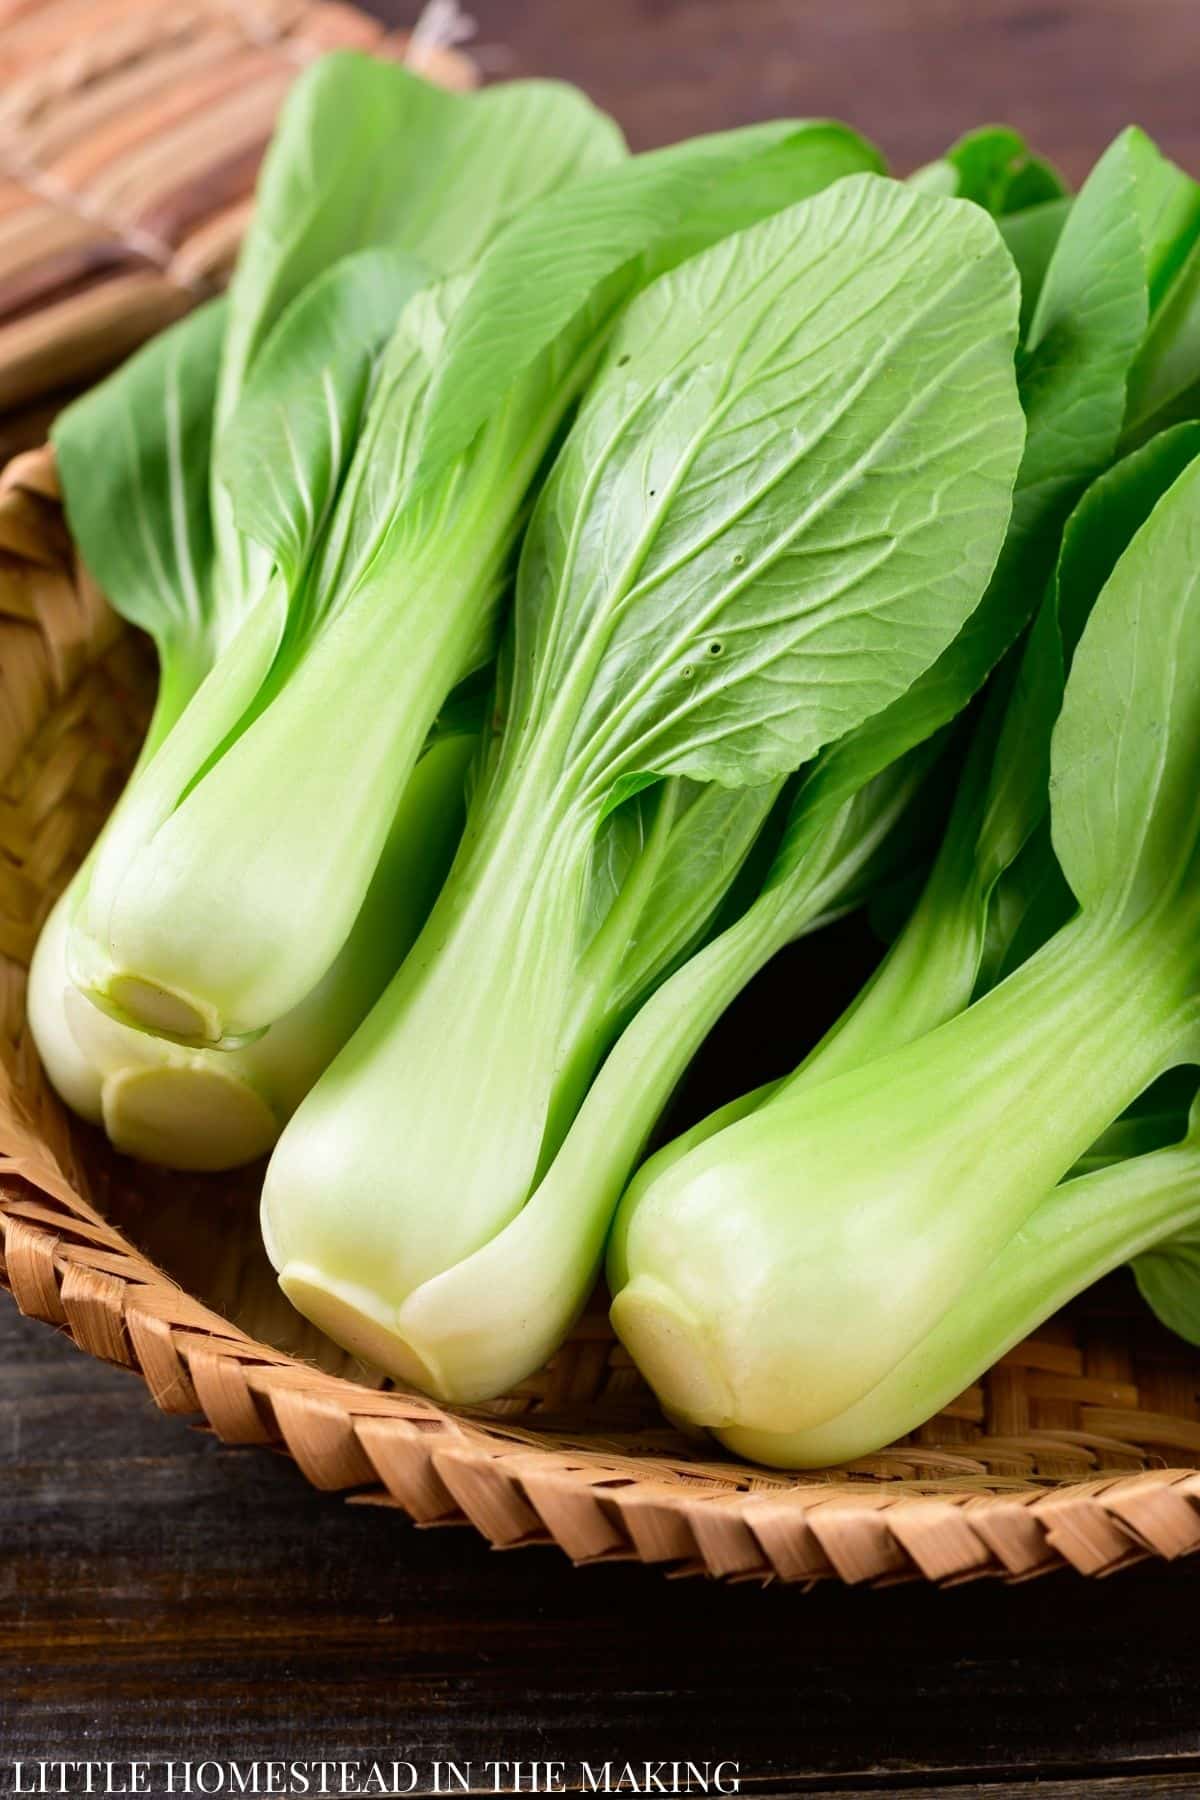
<point x="784" y="494"/>
<point x="858" y="1211"/>
<point x="577" y="576"/>
<point x="381" y="604"/>
<point x="1144" y="1210"/>
<point x="343" y="234"/>
<point x="492" y="1317"/>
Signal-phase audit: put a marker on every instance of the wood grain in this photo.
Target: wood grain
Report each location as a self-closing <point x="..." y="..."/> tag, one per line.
<point x="161" y="1596"/>
<point x="910" y="73"/>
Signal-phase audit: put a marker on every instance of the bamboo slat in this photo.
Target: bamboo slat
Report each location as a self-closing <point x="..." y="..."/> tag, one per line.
<point x="130" y="138"/>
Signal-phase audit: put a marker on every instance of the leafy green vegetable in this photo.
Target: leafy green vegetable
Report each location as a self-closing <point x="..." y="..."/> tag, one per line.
<point x="784" y="492"/>
<point x="1089" y="317"/>
<point x="812" y="538"/>
<point x="859" y="1210"/>
<point x="365" y="152"/>
<point x="396" y="604"/>
<point x="1145" y="1210"/>
<point x="934" y="966"/>
<point x="994" y="167"/>
<point x="215" y="1109"/>
<point x="291" y="353"/>
<point x="490" y="1320"/>
<point x="1032" y="237"/>
<point x="1164" y="382"/>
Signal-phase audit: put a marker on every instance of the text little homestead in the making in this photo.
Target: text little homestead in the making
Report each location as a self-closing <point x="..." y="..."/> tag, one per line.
<point x="317" y="1777"/>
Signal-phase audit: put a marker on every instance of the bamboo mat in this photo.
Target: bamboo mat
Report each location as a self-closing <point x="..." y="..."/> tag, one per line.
<point x="130" y="138"/>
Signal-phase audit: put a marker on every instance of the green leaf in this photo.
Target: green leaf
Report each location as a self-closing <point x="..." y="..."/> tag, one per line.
<point x="441" y="376"/>
<point x="1031" y="237"/>
<point x="433" y="365"/>
<point x="712" y="833"/>
<point x="1029" y="903"/>
<point x="1168" y="213"/>
<point x="661" y="207"/>
<point x="1166" y="369"/>
<point x="1102" y="526"/>
<point x="365" y="152"/>
<point x="1015" y="796"/>
<point x="792" y="162"/>
<point x="1168" y="1279"/>
<point x="1164" y="382"/>
<point x="1126" y="747"/>
<point x="994" y="167"/>
<point x="867" y="842"/>
<point x="1036" y="183"/>
<point x="127" y="454"/>
<point x="791" y="479"/>
<point x="385" y="454"/>
<point x="1090" y="314"/>
<point x="1168" y="220"/>
<point x="959" y="938"/>
<point x="1097" y="534"/>
<point x="661" y="868"/>
<point x="284" y="452"/>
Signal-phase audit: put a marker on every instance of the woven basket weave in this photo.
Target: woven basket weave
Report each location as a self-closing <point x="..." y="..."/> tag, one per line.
<point x="1079" y="1448"/>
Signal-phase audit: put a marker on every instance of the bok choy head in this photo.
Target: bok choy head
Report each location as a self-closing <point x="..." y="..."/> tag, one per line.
<point x="1143" y="1208"/>
<point x="381" y="603"/>
<point x="488" y="1321"/>
<point x="784" y="494"/>
<point x="772" y="1276"/>
<point x="374" y="182"/>
<point x="215" y="1109"/>
<point x="994" y="167"/>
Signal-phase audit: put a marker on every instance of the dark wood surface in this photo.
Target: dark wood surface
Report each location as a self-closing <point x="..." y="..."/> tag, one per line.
<point x="912" y="74"/>
<point x="163" y="1597"/>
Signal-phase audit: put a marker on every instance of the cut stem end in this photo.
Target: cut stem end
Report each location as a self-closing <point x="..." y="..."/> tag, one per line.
<point x="674" y="1353"/>
<point x="361" y="1323"/>
<point x="150" y="1007"/>
<point x="187" y="1118"/>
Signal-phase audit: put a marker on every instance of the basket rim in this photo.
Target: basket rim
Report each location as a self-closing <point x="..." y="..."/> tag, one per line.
<point x="65" y="1265"/>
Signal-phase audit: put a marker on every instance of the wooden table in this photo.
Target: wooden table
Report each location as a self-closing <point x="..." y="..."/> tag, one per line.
<point x="912" y="74"/>
<point x="166" y="1598"/>
<point x="163" y="1597"/>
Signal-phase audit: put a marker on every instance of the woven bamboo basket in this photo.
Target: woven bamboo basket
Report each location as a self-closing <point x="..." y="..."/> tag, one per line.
<point x="1080" y="1448"/>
